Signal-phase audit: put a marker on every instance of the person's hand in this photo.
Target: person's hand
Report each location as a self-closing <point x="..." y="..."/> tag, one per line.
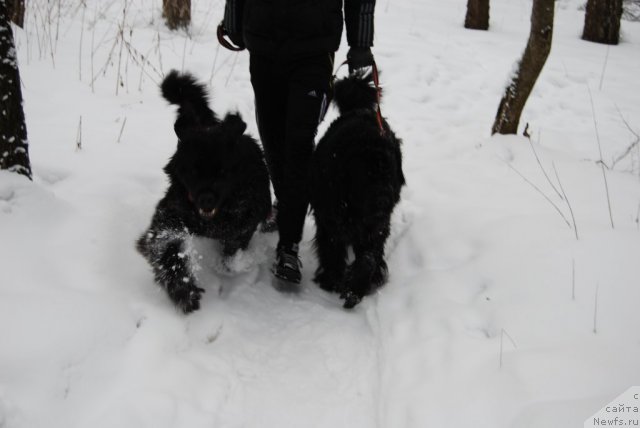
<point x="359" y="58"/>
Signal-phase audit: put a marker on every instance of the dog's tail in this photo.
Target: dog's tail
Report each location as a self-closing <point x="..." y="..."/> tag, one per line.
<point x="180" y="88"/>
<point x="355" y="92"/>
<point x="183" y="90"/>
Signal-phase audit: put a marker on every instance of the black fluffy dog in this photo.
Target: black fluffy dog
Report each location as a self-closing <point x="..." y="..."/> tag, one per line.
<point x="219" y="188"/>
<point x="356" y="179"/>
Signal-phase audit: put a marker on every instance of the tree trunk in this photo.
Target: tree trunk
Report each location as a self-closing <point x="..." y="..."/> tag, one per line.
<point x="530" y="66"/>
<point x="177" y="13"/>
<point x="16" y="11"/>
<point x="602" y="21"/>
<point x="14" y="154"/>
<point x="477" y="15"/>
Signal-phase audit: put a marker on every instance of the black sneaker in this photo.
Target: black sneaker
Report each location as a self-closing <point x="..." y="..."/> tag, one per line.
<point x="270" y="224"/>
<point x="286" y="268"/>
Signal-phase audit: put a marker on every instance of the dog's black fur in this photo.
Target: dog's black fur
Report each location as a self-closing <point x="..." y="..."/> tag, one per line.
<point x="219" y="189"/>
<point x="356" y="181"/>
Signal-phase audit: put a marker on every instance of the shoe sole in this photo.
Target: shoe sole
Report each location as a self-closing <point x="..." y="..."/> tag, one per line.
<point x="284" y="285"/>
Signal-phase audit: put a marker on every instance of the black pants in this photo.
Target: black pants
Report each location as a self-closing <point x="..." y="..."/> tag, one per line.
<point x="291" y="97"/>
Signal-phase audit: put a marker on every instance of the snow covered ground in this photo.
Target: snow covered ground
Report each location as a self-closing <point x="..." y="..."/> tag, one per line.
<point x="495" y="315"/>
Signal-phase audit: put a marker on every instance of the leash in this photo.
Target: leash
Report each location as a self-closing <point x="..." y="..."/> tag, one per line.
<point x="376" y="83"/>
<point x="221" y="33"/>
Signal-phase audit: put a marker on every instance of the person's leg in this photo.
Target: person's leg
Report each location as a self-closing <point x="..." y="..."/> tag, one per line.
<point x="270" y="92"/>
<point x="307" y="98"/>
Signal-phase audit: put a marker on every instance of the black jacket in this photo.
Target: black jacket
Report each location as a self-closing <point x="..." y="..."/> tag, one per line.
<point x="299" y="27"/>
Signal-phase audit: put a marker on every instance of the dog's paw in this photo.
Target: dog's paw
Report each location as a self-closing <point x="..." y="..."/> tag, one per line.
<point x="351" y="299"/>
<point x="187" y="298"/>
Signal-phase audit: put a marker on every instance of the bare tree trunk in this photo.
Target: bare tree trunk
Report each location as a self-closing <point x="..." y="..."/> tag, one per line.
<point x="602" y="21"/>
<point x="14" y="154"/>
<point x="177" y="13"/>
<point x="16" y="12"/>
<point x="531" y="64"/>
<point x="477" y="15"/>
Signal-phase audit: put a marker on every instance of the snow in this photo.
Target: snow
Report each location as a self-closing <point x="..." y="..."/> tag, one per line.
<point x="488" y="318"/>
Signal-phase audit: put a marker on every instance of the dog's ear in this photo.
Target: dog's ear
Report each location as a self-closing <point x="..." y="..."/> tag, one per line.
<point x="234" y="124"/>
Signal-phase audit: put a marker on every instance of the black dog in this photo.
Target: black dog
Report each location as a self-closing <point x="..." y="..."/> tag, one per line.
<point x="356" y="179"/>
<point x="219" y="188"/>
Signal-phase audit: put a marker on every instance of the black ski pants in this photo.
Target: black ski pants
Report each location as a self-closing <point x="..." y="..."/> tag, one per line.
<point x="291" y="97"/>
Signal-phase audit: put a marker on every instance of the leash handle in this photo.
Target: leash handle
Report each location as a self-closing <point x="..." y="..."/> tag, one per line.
<point x="221" y="33"/>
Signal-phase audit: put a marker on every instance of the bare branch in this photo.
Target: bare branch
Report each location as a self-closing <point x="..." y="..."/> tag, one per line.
<point x="539" y="191"/>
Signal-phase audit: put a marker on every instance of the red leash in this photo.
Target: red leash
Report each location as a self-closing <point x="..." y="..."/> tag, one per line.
<point x="376" y="82"/>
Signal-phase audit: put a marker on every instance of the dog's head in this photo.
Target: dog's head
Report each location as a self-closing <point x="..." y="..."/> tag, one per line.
<point x="208" y="163"/>
<point x="356" y="92"/>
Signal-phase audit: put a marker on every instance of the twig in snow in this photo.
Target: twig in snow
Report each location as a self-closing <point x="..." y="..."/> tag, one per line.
<point x="604" y="67"/>
<point x="604" y="174"/>
<point x="213" y="67"/>
<point x="79" y="135"/>
<point x="159" y="50"/>
<point x="539" y="191"/>
<point x="141" y="60"/>
<point x="215" y="335"/>
<point x="124" y="122"/>
<point x="566" y="199"/>
<point x="502" y="335"/>
<point x="544" y="172"/>
<point x="84" y="9"/>
<point x="184" y="53"/>
<point x="632" y="146"/>
<point x="121" y="35"/>
<point x="58" y="23"/>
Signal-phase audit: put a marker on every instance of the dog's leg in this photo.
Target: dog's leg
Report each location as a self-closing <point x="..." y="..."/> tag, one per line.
<point x="332" y="259"/>
<point x="171" y="268"/>
<point x="369" y="270"/>
<point x="240" y="242"/>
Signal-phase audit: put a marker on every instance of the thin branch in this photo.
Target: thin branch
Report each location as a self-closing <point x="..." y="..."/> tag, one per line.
<point x="84" y="9"/>
<point x="233" y="66"/>
<point x="184" y="53"/>
<point x="604" y="68"/>
<point x="604" y="174"/>
<point x="121" y="36"/>
<point x="539" y="191"/>
<point x="502" y="335"/>
<point x="542" y="168"/>
<point x="566" y="199"/>
<point x="215" y="60"/>
<point x="140" y="60"/>
<point x="79" y="135"/>
<point x="631" y="146"/>
<point x="124" y="122"/>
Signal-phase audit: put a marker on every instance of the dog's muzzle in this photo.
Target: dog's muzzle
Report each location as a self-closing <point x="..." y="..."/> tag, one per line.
<point x="205" y="204"/>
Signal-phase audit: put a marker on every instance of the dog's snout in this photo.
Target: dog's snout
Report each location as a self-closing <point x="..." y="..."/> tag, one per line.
<point x="207" y="201"/>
